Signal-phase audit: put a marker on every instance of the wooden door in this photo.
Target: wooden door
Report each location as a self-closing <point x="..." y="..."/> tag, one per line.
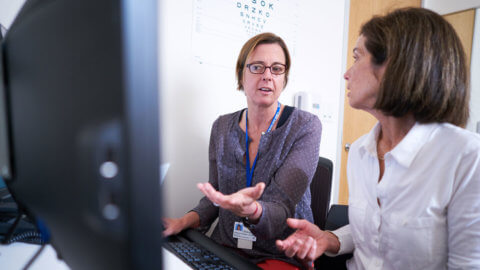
<point x="356" y="122"/>
<point x="464" y="22"/>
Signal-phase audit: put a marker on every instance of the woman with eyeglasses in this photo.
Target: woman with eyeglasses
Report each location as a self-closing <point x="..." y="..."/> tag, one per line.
<point x="262" y="160"/>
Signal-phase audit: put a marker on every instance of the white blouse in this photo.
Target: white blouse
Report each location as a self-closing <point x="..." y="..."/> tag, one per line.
<point x="429" y="216"/>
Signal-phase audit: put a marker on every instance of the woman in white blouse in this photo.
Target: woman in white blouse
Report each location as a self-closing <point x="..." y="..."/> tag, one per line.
<point x="414" y="179"/>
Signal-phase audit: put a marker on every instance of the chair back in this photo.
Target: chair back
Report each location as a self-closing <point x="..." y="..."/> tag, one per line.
<point x="320" y="188"/>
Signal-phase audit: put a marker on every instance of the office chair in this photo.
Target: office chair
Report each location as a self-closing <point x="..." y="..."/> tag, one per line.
<point x="320" y="188"/>
<point x="337" y="217"/>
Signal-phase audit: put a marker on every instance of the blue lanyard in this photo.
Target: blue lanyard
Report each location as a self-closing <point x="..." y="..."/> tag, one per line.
<point x="247" y="165"/>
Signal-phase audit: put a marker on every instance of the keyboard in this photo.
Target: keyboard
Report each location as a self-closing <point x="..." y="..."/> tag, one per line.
<point x="200" y="252"/>
<point x="197" y="257"/>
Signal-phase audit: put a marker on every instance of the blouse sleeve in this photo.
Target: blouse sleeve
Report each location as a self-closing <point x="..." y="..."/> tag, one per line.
<point x="463" y="215"/>
<point x="290" y="182"/>
<point x="344" y="236"/>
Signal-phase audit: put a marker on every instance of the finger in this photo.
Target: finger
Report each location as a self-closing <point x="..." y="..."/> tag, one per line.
<point x="261" y="186"/>
<point x="287" y="241"/>
<point x="169" y="225"/>
<point x="217" y="196"/>
<point x="204" y="190"/>
<point x="305" y="248"/>
<point x="312" y="254"/>
<point x="204" y="187"/>
<point x="293" y="249"/>
<point x="165" y="221"/>
<point x="299" y="224"/>
<point x="201" y="187"/>
<point x="281" y="245"/>
<point x="255" y="192"/>
<point x="213" y="195"/>
<point x="258" y="191"/>
<point x="168" y="231"/>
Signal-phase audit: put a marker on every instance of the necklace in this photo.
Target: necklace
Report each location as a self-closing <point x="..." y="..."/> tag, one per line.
<point x="379" y="146"/>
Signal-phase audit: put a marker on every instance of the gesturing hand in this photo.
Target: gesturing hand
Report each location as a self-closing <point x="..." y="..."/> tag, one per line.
<point x="308" y="242"/>
<point x="241" y="203"/>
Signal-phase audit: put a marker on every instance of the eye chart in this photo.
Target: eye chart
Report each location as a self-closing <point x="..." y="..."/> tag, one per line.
<point x="221" y="27"/>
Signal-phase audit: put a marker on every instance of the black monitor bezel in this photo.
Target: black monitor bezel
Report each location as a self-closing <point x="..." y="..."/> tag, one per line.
<point x="141" y="237"/>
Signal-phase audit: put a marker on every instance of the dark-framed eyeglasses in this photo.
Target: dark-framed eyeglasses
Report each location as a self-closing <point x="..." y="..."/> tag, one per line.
<point x="259" y="68"/>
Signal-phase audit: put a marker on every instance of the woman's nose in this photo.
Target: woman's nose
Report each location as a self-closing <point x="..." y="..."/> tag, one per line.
<point x="346" y="76"/>
<point x="267" y="74"/>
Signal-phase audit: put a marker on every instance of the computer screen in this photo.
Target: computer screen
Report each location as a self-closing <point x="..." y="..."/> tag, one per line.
<point x="80" y="81"/>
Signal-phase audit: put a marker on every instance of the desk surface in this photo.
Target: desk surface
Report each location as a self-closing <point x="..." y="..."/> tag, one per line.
<point x="15" y="256"/>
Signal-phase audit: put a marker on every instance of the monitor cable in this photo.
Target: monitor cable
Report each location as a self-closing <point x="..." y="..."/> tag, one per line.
<point x="30" y="237"/>
<point x="34" y="257"/>
<point x="12" y="229"/>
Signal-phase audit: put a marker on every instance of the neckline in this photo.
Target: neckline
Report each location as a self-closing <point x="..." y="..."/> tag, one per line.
<point x="282" y="120"/>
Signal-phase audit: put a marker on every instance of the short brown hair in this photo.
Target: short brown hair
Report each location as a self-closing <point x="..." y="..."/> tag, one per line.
<point x="426" y="72"/>
<point x="251" y="44"/>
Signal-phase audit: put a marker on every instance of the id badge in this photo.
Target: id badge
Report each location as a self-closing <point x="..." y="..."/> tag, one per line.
<point x="244" y="236"/>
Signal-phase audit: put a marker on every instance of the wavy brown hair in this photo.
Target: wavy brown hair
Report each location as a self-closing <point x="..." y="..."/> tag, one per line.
<point x="251" y="44"/>
<point x="426" y="72"/>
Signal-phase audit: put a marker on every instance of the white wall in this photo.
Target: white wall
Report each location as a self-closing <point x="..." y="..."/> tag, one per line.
<point x="449" y="6"/>
<point x="194" y="93"/>
<point x="8" y="11"/>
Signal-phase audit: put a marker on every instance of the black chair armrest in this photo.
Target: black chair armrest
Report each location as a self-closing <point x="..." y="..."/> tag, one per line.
<point x="337" y="217"/>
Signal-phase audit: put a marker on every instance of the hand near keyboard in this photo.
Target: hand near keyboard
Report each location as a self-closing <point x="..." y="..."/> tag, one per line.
<point x="242" y="203"/>
<point x="176" y="225"/>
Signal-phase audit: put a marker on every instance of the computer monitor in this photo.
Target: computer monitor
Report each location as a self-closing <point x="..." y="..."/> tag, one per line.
<point x="80" y="84"/>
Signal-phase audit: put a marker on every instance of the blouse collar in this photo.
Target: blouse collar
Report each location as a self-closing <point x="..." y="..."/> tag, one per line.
<point x="404" y="152"/>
